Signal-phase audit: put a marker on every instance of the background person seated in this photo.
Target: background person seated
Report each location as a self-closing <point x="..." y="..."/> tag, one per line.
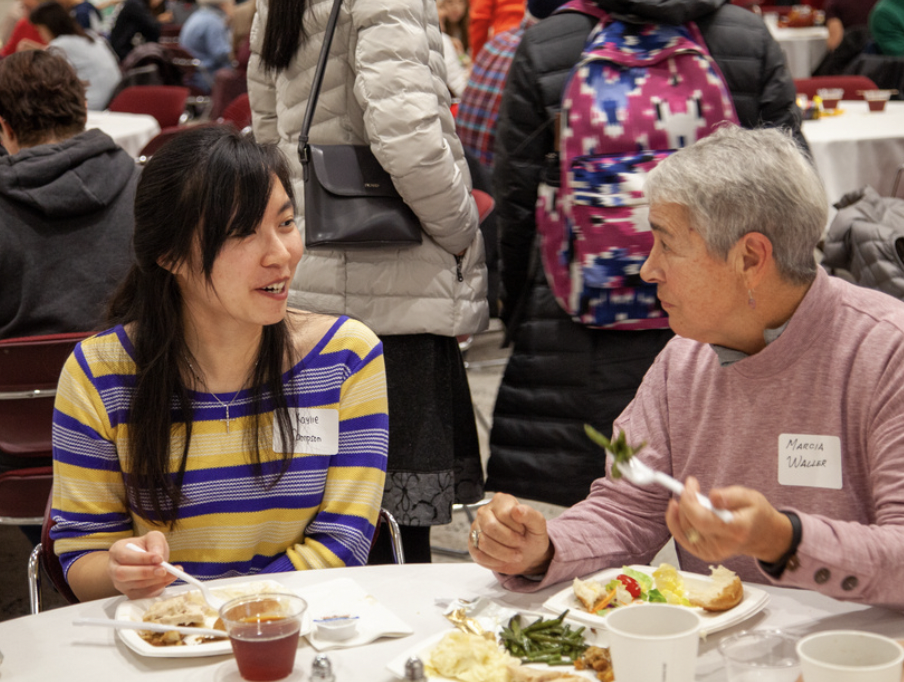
<point x="94" y="61"/>
<point x="137" y="23"/>
<point x="886" y="25"/>
<point x="206" y="34"/>
<point x="781" y="397"/>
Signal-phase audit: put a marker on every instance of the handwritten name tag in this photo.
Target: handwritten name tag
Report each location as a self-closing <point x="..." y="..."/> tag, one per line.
<point x="316" y="432"/>
<point x="812" y="461"/>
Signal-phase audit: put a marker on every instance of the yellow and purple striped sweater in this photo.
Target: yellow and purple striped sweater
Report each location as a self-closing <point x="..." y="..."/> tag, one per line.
<point x="321" y="513"/>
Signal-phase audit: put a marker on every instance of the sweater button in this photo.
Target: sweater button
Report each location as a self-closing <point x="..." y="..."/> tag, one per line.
<point x="822" y="576"/>
<point x="793" y="563"/>
<point x="850" y="583"/>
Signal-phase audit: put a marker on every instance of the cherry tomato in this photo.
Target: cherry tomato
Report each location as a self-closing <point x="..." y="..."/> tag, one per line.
<point x="630" y="585"/>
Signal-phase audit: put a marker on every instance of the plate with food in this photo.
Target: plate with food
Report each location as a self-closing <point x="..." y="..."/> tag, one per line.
<point x="181" y="606"/>
<point x="526" y="648"/>
<point x="721" y="599"/>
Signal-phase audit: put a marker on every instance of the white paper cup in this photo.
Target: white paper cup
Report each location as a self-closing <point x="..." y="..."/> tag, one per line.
<point x="760" y="656"/>
<point x="653" y="643"/>
<point x="850" y="656"/>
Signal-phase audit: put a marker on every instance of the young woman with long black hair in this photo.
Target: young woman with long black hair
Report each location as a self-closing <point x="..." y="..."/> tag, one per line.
<point x="212" y="426"/>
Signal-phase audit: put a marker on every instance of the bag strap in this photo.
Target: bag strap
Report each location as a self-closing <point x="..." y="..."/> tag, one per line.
<point x="315" y="86"/>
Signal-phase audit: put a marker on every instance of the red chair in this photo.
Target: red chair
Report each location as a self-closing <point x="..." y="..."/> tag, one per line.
<point x="43" y="557"/>
<point x="852" y="85"/>
<point x="29" y="371"/>
<point x="238" y="112"/>
<point x="166" y="103"/>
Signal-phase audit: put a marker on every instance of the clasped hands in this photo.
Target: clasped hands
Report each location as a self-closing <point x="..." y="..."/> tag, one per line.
<point x="513" y="537"/>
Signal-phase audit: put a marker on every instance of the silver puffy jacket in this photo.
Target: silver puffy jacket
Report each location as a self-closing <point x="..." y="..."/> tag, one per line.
<point x="384" y="85"/>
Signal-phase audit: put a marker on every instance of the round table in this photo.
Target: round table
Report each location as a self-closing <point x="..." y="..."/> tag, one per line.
<point x="48" y="647"/>
<point x="129" y="131"/>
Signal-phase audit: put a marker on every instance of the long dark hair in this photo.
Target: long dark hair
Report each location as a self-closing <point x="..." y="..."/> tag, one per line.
<point x="206" y="185"/>
<point x="283" y="34"/>
<point x="57" y="20"/>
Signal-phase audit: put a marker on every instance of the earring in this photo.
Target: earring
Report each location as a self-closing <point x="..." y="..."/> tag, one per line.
<point x="751" y="301"/>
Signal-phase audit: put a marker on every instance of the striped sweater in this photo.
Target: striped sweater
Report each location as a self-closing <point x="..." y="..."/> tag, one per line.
<point x="320" y="514"/>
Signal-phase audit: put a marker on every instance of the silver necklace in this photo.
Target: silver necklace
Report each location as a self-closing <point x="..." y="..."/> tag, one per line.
<point x="222" y="404"/>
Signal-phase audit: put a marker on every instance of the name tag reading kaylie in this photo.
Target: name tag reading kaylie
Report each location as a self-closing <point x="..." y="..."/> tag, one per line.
<point x="811" y="461"/>
<point x="316" y="431"/>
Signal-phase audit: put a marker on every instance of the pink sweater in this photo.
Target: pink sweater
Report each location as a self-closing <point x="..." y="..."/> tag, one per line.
<point x="837" y="371"/>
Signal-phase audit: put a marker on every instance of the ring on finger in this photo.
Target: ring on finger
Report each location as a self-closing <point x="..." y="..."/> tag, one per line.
<point x="693" y="536"/>
<point x="475" y="537"/>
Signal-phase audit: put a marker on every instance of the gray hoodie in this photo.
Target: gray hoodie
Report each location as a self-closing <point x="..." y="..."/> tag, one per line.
<point x="66" y="222"/>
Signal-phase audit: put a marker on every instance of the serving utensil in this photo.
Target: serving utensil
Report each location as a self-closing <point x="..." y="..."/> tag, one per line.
<point x="212" y="600"/>
<point x="640" y="474"/>
<point x="153" y="627"/>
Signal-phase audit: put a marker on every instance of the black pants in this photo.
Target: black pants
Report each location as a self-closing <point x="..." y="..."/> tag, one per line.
<point x="415" y="543"/>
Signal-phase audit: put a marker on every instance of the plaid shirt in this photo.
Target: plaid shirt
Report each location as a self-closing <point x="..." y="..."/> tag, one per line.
<point x="479" y="107"/>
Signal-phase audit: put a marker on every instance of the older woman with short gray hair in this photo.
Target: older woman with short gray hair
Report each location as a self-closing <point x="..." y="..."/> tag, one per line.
<point x="781" y="398"/>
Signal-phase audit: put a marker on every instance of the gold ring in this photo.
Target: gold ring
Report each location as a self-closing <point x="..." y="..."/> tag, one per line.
<point x="693" y="536"/>
<point x="475" y="538"/>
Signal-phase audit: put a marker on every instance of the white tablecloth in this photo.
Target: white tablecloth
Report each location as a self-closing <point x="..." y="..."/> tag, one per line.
<point x="804" y="48"/>
<point x="48" y="647"/>
<point x="857" y="147"/>
<point x="129" y="131"/>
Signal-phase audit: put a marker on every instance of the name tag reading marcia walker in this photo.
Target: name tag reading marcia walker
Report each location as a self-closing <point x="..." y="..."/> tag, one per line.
<point x="812" y="461"/>
<point x="316" y="431"/>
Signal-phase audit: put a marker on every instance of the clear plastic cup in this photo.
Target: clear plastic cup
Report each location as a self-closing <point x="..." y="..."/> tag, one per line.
<point x="830" y="97"/>
<point x="876" y="99"/>
<point x="264" y="630"/>
<point x="760" y="656"/>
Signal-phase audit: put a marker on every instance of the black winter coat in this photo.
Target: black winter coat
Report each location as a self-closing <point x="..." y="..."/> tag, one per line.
<point x="563" y="374"/>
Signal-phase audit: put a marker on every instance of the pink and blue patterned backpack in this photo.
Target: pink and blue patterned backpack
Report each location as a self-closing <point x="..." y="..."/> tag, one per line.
<point x="639" y="92"/>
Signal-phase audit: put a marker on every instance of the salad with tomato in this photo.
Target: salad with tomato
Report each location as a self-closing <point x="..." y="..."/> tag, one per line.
<point x="631" y="586"/>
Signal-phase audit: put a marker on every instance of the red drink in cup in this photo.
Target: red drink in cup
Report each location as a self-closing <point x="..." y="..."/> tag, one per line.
<point x="264" y="631"/>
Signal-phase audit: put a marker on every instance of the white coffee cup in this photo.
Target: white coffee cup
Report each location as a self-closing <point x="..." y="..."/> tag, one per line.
<point x="653" y="643"/>
<point x="850" y="656"/>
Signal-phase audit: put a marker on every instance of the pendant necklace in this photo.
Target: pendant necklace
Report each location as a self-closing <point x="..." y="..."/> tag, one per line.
<point x="204" y="384"/>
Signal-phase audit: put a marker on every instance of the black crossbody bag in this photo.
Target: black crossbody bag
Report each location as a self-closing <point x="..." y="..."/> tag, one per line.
<point x="350" y="201"/>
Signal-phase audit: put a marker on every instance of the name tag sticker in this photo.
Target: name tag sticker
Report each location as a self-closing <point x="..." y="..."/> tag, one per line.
<point x="811" y="461"/>
<point x="316" y="432"/>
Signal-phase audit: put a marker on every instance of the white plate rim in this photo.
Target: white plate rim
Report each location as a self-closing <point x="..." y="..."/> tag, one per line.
<point x="755" y="599"/>
<point x="133" y="609"/>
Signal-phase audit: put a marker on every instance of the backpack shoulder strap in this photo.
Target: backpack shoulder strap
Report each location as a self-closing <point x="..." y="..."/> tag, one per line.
<point x="584" y="7"/>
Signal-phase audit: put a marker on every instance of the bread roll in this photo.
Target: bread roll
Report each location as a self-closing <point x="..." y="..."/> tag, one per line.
<point x="723" y="592"/>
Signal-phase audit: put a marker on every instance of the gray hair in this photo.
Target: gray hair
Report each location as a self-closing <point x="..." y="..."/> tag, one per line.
<point x="738" y="181"/>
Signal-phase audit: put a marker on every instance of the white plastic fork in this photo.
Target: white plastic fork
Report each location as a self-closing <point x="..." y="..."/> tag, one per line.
<point x="152" y="627"/>
<point x="640" y="474"/>
<point x="213" y="601"/>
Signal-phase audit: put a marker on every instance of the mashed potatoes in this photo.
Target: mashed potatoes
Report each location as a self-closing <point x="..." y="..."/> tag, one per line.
<point x="469" y="658"/>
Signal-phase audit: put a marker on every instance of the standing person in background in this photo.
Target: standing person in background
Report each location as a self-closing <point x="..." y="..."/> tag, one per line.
<point x="385" y="86"/>
<point x="563" y="374"/>
<point x="489" y="18"/>
<point x="90" y="54"/>
<point x="453" y="21"/>
<point x="135" y="24"/>
<point x="886" y="24"/>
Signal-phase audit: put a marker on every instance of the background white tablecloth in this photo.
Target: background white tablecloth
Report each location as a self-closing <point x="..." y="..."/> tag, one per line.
<point x="129" y="131"/>
<point x="857" y="147"/>
<point x="48" y="647"/>
<point x="804" y="48"/>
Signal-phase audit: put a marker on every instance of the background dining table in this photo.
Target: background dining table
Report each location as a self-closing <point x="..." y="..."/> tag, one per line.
<point x="48" y="646"/>
<point x="857" y="147"/>
<point x="129" y="131"/>
<point x="804" y="47"/>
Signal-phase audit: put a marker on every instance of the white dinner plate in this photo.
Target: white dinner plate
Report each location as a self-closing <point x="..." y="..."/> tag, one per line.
<point x="423" y="648"/>
<point x="753" y="602"/>
<point x="134" y="610"/>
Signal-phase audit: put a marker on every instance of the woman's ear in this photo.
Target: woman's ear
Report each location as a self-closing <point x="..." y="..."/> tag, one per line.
<point x="756" y="256"/>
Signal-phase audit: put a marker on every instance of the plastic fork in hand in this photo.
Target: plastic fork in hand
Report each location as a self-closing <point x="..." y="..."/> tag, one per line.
<point x="212" y="600"/>
<point x="640" y="474"/>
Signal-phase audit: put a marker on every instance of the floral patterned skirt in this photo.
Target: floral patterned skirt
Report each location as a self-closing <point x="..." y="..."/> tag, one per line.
<point x="434" y="454"/>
